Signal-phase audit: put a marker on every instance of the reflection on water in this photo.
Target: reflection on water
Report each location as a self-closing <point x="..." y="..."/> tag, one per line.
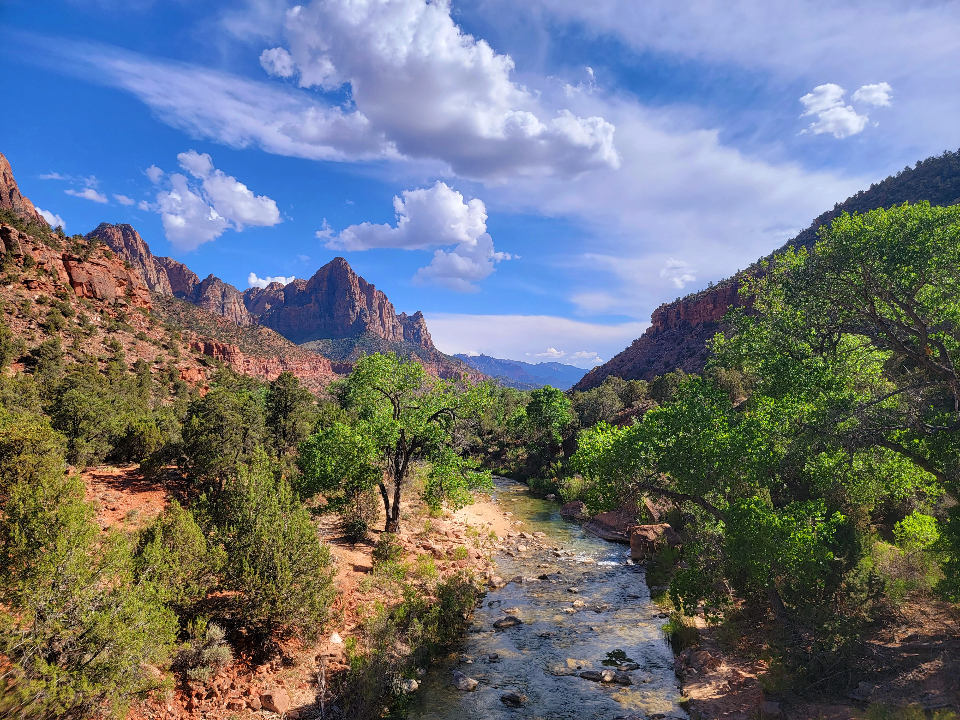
<point x="541" y="658"/>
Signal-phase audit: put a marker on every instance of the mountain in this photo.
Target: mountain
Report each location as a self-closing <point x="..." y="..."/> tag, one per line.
<point x="12" y="200"/>
<point x="525" y="376"/>
<point x="679" y="331"/>
<point x="336" y="312"/>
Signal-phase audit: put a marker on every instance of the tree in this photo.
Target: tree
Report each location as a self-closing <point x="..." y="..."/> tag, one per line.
<point x="546" y="416"/>
<point x="343" y="463"/>
<point x="275" y="559"/>
<point x="290" y="411"/>
<point x="409" y="415"/>
<point x="79" y="630"/>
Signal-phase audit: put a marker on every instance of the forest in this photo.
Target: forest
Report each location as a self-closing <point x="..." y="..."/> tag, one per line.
<point x="811" y="471"/>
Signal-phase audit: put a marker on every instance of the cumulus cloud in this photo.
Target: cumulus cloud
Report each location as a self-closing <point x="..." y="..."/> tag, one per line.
<point x="124" y="200"/>
<point x="679" y="272"/>
<point x="52" y="220"/>
<point x="277" y="61"/>
<point x="154" y="173"/>
<point x="197" y="212"/>
<point x="254" y="281"/>
<point x="552" y="353"/>
<point x="434" y="90"/>
<point x="521" y="336"/>
<point x="826" y="102"/>
<point x="877" y="95"/>
<point x="427" y="217"/>
<point x="88" y="194"/>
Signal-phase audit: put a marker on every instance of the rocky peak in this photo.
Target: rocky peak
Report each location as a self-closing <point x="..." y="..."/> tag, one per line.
<point x="11" y="197"/>
<point x="182" y="279"/>
<point x="335" y="303"/>
<point x="127" y="243"/>
<point x="216" y="296"/>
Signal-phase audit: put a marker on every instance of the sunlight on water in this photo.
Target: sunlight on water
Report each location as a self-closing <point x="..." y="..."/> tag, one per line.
<point x="541" y="657"/>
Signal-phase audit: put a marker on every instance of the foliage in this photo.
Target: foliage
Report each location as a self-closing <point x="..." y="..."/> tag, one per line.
<point x="453" y="480"/>
<point x="206" y="653"/>
<point x="275" y="559"/>
<point x="290" y="412"/>
<point x="408" y="415"/>
<point x="81" y="632"/>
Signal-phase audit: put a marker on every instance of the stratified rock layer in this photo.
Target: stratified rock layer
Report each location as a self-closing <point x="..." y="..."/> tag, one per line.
<point x="12" y="199"/>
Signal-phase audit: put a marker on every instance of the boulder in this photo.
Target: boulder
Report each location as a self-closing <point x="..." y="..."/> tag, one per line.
<point x="513" y="700"/>
<point x="409" y="686"/>
<point x="462" y="682"/>
<point x="647" y="540"/>
<point x="593" y="675"/>
<point x="575" y="510"/>
<point x="613" y="526"/>
<point x="508" y="621"/>
<point x="275" y="700"/>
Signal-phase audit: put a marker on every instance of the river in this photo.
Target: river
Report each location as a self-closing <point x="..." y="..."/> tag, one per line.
<point x="613" y="624"/>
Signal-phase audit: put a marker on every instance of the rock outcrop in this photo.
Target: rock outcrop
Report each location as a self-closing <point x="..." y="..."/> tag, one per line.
<point x="335" y="303"/>
<point x="647" y="540"/>
<point x="220" y="298"/>
<point x="315" y="370"/>
<point x="12" y="199"/>
<point x="613" y="526"/>
<point x="679" y="331"/>
<point x="163" y="275"/>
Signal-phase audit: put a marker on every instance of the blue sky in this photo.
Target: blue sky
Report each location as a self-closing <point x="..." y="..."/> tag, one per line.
<point x="536" y="177"/>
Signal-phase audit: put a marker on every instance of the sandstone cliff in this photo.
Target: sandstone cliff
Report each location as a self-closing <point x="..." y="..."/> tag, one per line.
<point x="679" y="330"/>
<point x="216" y="296"/>
<point x="11" y="199"/>
<point x="335" y="303"/>
<point x="163" y="275"/>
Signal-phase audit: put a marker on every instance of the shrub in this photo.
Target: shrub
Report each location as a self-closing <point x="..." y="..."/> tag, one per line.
<point x="80" y="632"/>
<point x="275" y="559"/>
<point x="206" y="654"/>
<point x="681" y="632"/>
<point x="388" y="549"/>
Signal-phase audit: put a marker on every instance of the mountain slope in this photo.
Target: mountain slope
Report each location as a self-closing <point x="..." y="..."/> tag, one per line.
<point x="525" y="376"/>
<point x="679" y="331"/>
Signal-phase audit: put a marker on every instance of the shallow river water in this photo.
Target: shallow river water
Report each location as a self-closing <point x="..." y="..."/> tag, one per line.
<point x="541" y="657"/>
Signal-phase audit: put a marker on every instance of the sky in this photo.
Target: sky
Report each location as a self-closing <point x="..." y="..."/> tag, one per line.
<point x="535" y="177"/>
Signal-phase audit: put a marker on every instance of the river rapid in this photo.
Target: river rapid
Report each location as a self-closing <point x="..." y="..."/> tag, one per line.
<point x="583" y="607"/>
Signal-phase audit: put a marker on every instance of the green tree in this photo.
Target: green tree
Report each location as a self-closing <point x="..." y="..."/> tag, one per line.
<point x="275" y="559"/>
<point x="80" y="632"/>
<point x="408" y="414"/>
<point x="291" y="411"/>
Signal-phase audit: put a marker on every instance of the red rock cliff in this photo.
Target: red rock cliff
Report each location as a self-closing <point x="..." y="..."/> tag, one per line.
<point x="12" y="199"/>
<point x="314" y="370"/>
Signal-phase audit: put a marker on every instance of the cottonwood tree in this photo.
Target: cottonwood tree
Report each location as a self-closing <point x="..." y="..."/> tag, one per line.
<point x="408" y="415"/>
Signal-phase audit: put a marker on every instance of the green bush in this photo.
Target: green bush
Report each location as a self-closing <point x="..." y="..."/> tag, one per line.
<point x="80" y="633"/>
<point x="388" y="549"/>
<point x="206" y="653"/>
<point x="275" y="559"/>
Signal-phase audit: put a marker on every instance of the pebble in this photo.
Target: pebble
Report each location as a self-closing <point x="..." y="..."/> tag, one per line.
<point x="409" y="686"/>
<point x="508" y="621"/>
<point x="513" y="699"/>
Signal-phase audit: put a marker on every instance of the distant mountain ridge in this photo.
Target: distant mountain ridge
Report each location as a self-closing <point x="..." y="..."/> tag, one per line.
<point x="679" y="331"/>
<point x="523" y="375"/>
<point x="335" y="311"/>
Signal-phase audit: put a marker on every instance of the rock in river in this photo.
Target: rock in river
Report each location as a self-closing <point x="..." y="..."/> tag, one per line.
<point x="508" y="621"/>
<point x="513" y="700"/>
<point x="462" y="682"/>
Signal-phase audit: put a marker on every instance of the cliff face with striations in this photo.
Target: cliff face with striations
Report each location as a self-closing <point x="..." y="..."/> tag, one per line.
<point x="335" y="303"/>
<point x="314" y="370"/>
<point x="163" y="275"/>
<point x="10" y="197"/>
<point x="216" y="296"/>
<point x="679" y="331"/>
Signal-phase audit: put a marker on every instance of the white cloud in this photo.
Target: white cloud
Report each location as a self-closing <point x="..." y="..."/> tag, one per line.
<point x="195" y="213"/>
<point x="679" y="272"/>
<point x="52" y="220"/>
<point x="325" y="232"/>
<point x="254" y="281"/>
<point x="303" y="258"/>
<point x="878" y="95"/>
<point x="429" y="217"/>
<point x="277" y="61"/>
<point x="551" y="353"/>
<point x="434" y="91"/>
<point x="519" y="336"/>
<point x="826" y="102"/>
<point x="231" y="198"/>
<point x="54" y="176"/>
<point x="124" y="200"/>
<point x="822" y="98"/>
<point x="88" y="194"/>
<point x="154" y="173"/>
<point x="144" y="205"/>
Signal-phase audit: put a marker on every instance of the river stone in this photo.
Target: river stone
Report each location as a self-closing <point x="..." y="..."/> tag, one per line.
<point x="628" y="666"/>
<point x="608" y="675"/>
<point x="521" y="548"/>
<point x="497" y="582"/>
<point x="508" y="621"/>
<point x="462" y="682"/>
<point x="513" y="700"/>
<point x="578" y="603"/>
<point x="621" y="678"/>
<point x="593" y="675"/>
